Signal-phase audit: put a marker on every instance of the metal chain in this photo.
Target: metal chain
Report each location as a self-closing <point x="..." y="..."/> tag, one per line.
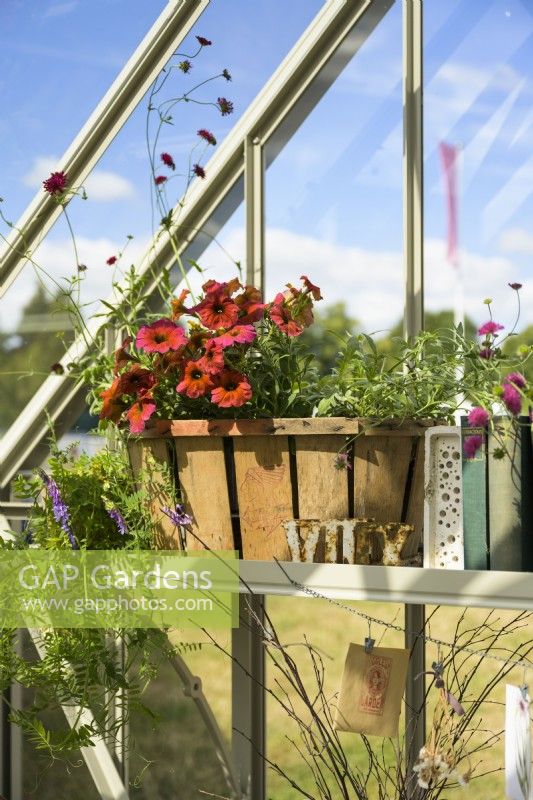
<point x="417" y="634"/>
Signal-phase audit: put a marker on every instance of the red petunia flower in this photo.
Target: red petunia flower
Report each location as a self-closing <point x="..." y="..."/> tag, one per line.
<point x="311" y="288"/>
<point x="159" y="179"/>
<point x="233" y="390"/>
<point x="217" y="310"/>
<point x="212" y="361"/>
<point x="160" y="337"/>
<point x="203" y="41"/>
<point x="56" y="183"/>
<point x="203" y="133"/>
<point x="198" y="171"/>
<point x="240" y="334"/>
<point x="250" y="305"/>
<point x="229" y="287"/>
<point x="135" y="381"/>
<point x="111" y="260"/>
<point x="178" y="305"/>
<point x="225" y="106"/>
<point x="113" y="406"/>
<point x="280" y="314"/>
<point x="490" y="327"/>
<point x="196" y="380"/>
<point x="167" y="160"/>
<point x="139" y="414"/>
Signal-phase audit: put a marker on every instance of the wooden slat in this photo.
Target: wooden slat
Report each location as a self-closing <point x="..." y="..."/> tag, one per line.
<point x="264" y="494"/>
<point x="415" y="506"/>
<point x="202" y="476"/>
<point x="381" y="467"/>
<point x="147" y="457"/>
<point x="322" y="488"/>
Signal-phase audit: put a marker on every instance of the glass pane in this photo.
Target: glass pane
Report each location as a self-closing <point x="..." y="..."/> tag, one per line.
<point x="334" y="194"/>
<point x="478" y="126"/>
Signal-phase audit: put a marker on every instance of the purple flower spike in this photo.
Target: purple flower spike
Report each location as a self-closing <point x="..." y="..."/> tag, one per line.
<point x="59" y="507"/>
<point x="117" y="517"/>
<point x="178" y="517"/>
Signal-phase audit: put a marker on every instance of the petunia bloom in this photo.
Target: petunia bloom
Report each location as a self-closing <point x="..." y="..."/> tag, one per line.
<point x="281" y="316"/>
<point x="135" y="381"/>
<point x="122" y="356"/>
<point x="160" y="337"/>
<point x="250" y="304"/>
<point x="478" y="417"/>
<point x="225" y="106"/>
<point x="196" y="380"/>
<point x="212" y="361"/>
<point x="113" y="405"/>
<point x="178" y="305"/>
<point x="160" y="179"/>
<point x="233" y="390"/>
<point x="490" y="327"/>
<point x="139" y="414"/>
<point x="240" y="334"/>
<point x="198" y="170"/>
<point x="311" y="288"/>
<point x="56" y="183"/>
<point x="517" y="379"/>
<point x="203" y="133"/>
<point x="511" y="399"/>
<point x="472" y="444"/>
<point x="167" y="160"/>
<point x="217" y="310"/>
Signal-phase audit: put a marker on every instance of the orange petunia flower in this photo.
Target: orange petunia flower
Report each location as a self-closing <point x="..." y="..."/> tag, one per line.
<point x="139" y="414"/>
<point x="196" y="380"/>
<point x="232" y="390"/>
<point x="217" y="310"/>
<point x="178" y="305"/>
<point x="212" y="361"/>
<point x="113" y="406"/>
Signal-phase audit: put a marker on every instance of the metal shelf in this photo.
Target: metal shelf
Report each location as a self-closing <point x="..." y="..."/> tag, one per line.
<point x="417" y="585"/>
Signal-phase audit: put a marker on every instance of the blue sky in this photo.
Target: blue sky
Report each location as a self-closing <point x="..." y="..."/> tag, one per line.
<point x="334" y="195"/>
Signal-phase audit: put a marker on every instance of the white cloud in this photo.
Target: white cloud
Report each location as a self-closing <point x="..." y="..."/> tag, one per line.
<point x="60" y="9"/>
<point x="516" y="240"/>
<point x="102" y="186"/>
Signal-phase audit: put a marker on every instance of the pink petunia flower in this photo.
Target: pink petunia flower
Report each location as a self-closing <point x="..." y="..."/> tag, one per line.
<point x="160" y="337"/>
<point x="472" y="444"/>
<point x="490" y="327"/>
<point x="478" y="417"/>
<point x="281" y="316"/>
<point x="212" y="361"/>
<point x="511" y="399"/>
<point x="232" y="390"/>
<point x="139" y="414"/>
<point x="240" y="334"/>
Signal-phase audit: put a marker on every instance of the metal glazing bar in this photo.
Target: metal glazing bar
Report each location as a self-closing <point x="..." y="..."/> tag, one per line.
<point x="254" y="174"/>
<point x="92" y="141"/>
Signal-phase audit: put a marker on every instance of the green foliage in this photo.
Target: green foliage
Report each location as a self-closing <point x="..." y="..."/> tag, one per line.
<point x="331" y="326"/>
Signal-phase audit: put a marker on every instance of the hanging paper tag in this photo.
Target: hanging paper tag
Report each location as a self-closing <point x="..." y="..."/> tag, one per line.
<point x="371" y="690"/>
<point x="518" y="784"/>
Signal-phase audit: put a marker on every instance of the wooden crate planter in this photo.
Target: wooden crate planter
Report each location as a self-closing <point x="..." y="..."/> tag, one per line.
<point x="241" y="479"/>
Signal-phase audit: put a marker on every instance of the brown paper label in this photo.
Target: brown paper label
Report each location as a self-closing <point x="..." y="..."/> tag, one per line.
<point x="372" y="688"/>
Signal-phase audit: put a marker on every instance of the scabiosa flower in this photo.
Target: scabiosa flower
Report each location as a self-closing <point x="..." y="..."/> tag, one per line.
<point x="217" y="310"/>
<point x="160" y="179"/>
<point x="511" y="399"/>
<point x="59" y="507"/>
<point x="226" y="74"/>
<point x="225" y="106"/>
<point x="486" y="352"/>
<point x="177" y="515"/>
<point x="472" y="444"/>
<point x="516" y="379"/>
<point x="111" y="260"/>
<point x="185" y="66"/>
<point x="57" y="368"/>
<point x="56" y="183"/>
<point x="203" y="133"/>
<point x="478" y="417"/>
<point x="204" y="42"/>
<point x="240" y="334"/>
<point x="281" y="316"/>
<point x="212" y="361"/>
<point x="196" y="380"/>
<point x="515" y="286"/>
<point x="490" y="327"/>
<point x="119" y="520"/>
<point x="160" y="337"/>
<point x="198" y="171"/>
<point x="167" y="160"/>
<point x="233" y="390"/>
<point x="139" y="414"/>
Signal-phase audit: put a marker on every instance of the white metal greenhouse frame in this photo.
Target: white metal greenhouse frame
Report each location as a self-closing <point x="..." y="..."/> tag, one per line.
<point x="236" y="173"/>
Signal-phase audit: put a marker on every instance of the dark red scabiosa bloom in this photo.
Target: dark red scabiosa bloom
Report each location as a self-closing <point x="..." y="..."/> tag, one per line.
<point x="232" y="390"/>
<point x="478" y="417"/>
<point x="160" y="179"/>
<point x="160" y="337"/>
<point x="139" y="413"/>
<point x="212" y="361"/>
<point x="56" y="183"/>
<point x="240" y="334"/>
<point x="515" y="286"/>
<point x="198" y="171"/>
<point x="136" y="381"/>
<point x="167" y="160"/>
<point x="217" y="310"/>
<point x="185" y="66"/>
<point x="226" y="74"/>
<point x="57" y="368"/>
<point x="225" y="106"/>
<point x="111" y="260"/>
<point x="511" y="399"/>
<point x="203" y="133"/>
<point x="204" y="42"/>
<point x="196" y="380"/>
<point x="280" y="314"/>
